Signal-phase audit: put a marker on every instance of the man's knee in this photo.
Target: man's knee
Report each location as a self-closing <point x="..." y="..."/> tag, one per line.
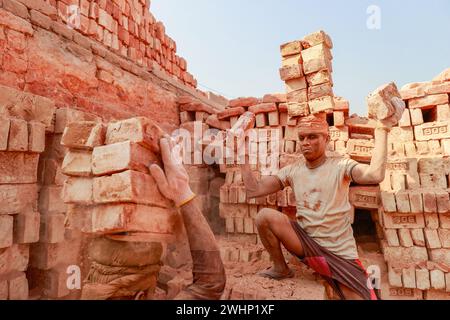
<point x="266" y="217"/>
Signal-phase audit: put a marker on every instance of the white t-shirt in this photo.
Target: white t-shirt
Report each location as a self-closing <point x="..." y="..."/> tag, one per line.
<point x="323" y="206"/>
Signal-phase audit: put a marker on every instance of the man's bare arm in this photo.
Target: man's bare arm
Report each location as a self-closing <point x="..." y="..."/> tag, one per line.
<point x="375" y="172"/>
<point x="255" y="188"/>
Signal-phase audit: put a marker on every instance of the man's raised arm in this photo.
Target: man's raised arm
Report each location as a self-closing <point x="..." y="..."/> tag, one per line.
<point x="267" y="185"/>
<point x="375" y="172"/>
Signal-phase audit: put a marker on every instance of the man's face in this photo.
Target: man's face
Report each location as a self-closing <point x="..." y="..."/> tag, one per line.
<point x="313" y="145"/>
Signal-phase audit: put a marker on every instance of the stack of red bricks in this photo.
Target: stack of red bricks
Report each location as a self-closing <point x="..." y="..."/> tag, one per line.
<point x="109" y="189"/>
<point x="306" y="69"/>
<point x="58" y="248"/>
<point x="415" y="194"/>
<point x="125" y="27"/>
<point x="307" y="72"/>
<point x="24" y="121"/>
<point x="21" y="142"/>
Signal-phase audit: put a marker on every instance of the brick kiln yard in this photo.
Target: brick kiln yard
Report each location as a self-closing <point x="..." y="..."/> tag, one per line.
<point x="79" y="100"/>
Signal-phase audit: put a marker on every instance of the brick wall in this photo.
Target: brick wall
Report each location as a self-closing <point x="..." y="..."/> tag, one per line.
<point x="118" y="63"/>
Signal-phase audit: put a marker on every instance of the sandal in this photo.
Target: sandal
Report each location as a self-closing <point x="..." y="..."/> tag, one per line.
<point x="270" y="274"/>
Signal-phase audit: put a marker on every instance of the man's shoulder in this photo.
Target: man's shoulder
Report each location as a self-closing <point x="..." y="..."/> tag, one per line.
<point x="339" y="158"/>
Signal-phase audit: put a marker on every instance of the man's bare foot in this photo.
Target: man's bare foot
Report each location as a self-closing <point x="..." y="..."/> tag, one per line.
<point x="274" y="274"/>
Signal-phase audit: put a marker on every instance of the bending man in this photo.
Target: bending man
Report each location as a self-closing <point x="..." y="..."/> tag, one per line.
<point x="208" y="269"/>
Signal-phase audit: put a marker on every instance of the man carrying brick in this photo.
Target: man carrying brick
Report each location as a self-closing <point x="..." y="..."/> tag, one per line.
<point x="208" y="270"/>
<point x="322" y="236"/>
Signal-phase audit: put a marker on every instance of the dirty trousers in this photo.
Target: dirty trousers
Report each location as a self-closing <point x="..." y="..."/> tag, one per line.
<point x="333" y="268"/>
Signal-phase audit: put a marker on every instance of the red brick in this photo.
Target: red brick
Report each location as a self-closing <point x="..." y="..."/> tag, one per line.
<point x="3" y="283"/>
<point x="316" y="38"/>
<point x="105" y="20"/>
<point x="6" y="231"/>
<point x="17" y="198"/>
<point x="40" y="19"/>
<point x="79" y="218"/>
<point x="429" y="100"/>
<point x="84" y="7"/>
<point x="399" y="257"/>
<point x="52" y="228"/>
<point x="291" y="72"/>
<point x="18" y="135"/>
<point x="18" y="287"/>
<point x="139" y="130"/>
<point x="121" y="156"/>
<point x="15" y="23"/>
<point x="129" y="186"/>
<point x="83" y="135"/>
<point x="379" y="101"/>
<point x="233" y="210"/>
<point x="132" y="218"/>
<point x="93" y="10"/>
<point x="18" y="167"/>
<point x="16" y="8"/>
<point x="36" y="137"/>
<point x="45" y="255"/>
<point x="77" y="163"/>
<point x="4" y="133"/>
<point x="50" y="200"/>
<point x="27" y="106"/>
<point x="78" y="190"/>
<point x="26" y="227"/>
<point x="14" y="258"/>
<point x="41" y="6"/>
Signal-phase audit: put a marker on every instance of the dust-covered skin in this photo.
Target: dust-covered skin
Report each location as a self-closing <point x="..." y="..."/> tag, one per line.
<point x="208" y="271"/>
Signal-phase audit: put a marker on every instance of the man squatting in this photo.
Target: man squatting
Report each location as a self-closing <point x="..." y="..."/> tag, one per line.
<point x="322" y="235"/>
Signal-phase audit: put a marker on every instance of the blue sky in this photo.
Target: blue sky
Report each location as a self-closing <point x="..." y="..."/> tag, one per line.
<point x="232" y="46"/>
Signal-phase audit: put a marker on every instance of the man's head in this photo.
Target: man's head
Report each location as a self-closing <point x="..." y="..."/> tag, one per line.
<point x="313" y="133"/>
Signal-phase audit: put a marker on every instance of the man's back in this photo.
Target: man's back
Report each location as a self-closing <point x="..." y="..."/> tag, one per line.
<point x="323" y="207"/>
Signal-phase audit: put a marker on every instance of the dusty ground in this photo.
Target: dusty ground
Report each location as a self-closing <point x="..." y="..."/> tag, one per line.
<point x="244" y="283"/>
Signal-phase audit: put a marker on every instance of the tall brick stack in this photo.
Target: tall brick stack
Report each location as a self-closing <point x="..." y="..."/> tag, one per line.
<point x="415" y="194"/>
<point x="125" y="27"/>
<point x="58" y="248"/>
<point x="306" y="70"/>
<point x="21" y="143"/>
<point x="109" y="189"/>
<point x="25" y="120"/>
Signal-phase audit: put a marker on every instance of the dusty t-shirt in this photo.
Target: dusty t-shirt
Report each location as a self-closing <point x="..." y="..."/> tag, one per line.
<point x="323" y="207"/>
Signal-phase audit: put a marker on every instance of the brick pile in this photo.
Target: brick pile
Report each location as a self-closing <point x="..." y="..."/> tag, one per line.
<point x="125" y="27"/>
<point x="306" y="70"/>
<point x="24" y="121"/>
<point x="58" y="248"/>
<point x="109" y="190"/>
<point x="415" y="194"/>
